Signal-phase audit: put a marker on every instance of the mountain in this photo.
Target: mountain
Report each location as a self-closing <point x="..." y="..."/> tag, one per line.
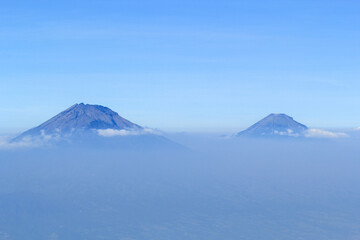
<point x="275" y="125"/>
<point x="81" y="118"/>
<point x="94" y="127"/>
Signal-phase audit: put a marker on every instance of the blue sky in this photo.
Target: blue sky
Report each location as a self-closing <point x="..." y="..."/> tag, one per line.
<point x="181" y="65"/>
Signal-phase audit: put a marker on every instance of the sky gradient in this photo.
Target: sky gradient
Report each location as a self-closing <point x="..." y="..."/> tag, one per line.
<point x="181" y="65"/>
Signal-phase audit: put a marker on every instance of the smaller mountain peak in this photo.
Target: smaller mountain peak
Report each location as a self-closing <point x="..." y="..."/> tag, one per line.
<point x="275" y="124"/>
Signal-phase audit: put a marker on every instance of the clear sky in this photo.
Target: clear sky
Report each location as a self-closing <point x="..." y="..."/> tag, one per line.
<point x="182" y="65"/>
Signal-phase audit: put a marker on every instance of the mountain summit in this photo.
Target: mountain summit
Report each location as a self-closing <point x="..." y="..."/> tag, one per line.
<point x="81" y="118"/>
<point x="275" y="125"/>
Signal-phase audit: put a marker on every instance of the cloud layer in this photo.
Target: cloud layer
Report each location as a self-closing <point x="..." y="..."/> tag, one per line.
<point x="47" y="139"/>
<point x="122" y="132"/>
<point x="27" y="142"/>
<point x="320" y="133"/>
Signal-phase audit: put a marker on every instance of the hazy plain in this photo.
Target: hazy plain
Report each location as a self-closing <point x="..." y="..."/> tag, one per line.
<point x="214" y="188"/>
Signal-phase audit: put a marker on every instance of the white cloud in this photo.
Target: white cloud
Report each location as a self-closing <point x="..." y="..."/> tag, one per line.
<point x="288" y="132"/>
<point x="357" y="129"/>
<point x="122" y="132"/>
<point x="320" y="133"/>
<point x="26" y="142"/>
<point x="113" y="132"/>
<point x="45" y="139"/>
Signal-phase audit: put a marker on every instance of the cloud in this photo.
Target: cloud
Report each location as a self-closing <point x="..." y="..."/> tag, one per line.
<point x="288" y="132"/>
<point x="320" y="133"/>
<point x="112" y="132"/>
<point x="357" y="129"/>
<point x="47" y="139"/>
<point x="26" y="142"/>
<point x="123" y="132"/>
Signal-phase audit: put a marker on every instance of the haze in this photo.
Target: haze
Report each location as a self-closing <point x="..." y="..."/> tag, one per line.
<point x="179" y="120"/>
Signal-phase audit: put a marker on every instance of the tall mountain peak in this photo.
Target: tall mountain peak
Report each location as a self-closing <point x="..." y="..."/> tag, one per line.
<point x="82" y="117"/>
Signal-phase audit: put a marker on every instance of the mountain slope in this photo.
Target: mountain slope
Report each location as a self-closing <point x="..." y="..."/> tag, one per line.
<point x="275" y="125"/>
